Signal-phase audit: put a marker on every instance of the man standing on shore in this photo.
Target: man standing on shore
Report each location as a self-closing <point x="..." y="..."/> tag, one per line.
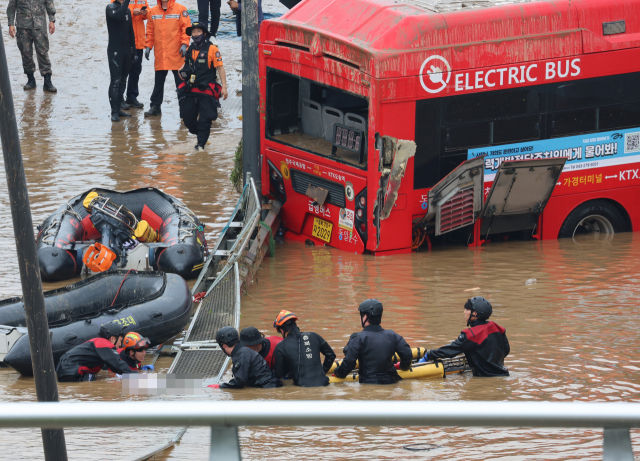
<point x="29" y="17"/>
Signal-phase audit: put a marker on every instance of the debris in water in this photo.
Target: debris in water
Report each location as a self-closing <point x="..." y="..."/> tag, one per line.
<point x="531" y="282"/>
<point x="473" y="289"/>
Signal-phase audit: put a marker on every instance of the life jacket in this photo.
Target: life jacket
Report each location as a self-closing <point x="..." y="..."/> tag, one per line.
<point x="273" y="342"/>
<point x="203" y="77"/>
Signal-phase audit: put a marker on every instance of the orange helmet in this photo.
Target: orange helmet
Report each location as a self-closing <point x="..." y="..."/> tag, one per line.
<point x="283" y="317"/>
<point x="134" y="340"/>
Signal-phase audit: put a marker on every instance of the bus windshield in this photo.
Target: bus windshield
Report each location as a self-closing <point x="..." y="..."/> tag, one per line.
<point x="315" y="118"/>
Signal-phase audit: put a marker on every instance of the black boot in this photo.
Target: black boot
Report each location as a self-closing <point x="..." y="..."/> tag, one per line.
<point x="155" y="110"/>
<point x="133" y="102"/>
<point x="124" y="105"/>
<point x="48" y="86"/>
<point x="115" y="116"/>
<point x="123" y="113"/>
<point x="199" y="148"/>
<point x="31" y="82"/>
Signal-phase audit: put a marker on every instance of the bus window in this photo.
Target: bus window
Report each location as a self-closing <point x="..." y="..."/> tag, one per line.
<point x="303" y="114"/>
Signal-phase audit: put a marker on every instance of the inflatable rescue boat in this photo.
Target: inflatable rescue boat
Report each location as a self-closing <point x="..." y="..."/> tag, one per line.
<point x="154" y="304"/>
<point x="143" y="229"/>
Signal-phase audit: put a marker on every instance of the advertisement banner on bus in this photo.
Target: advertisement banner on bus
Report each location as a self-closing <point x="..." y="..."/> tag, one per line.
<point x="595" y="150"/>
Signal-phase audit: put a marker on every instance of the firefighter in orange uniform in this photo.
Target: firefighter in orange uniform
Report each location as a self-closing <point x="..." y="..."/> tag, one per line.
<point x="139" y="12"/>
<point x="167" y="36"/>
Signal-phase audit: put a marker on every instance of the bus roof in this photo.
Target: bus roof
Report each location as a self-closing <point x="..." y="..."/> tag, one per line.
<point x="391" y="38"/>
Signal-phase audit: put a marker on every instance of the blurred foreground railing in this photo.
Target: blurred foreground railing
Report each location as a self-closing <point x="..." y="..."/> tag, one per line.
<point x="224" y="417"/>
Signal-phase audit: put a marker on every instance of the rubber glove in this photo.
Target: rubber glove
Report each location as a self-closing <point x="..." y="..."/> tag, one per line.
<point x="215" y="386"/>
<point x="424" y="359"/>
<point x="146" y="367"/>
<point x="183" y="50"/>
<point x="147" y="51"/>
<point x="135" y="55"/>
<point x="397" y="365"/>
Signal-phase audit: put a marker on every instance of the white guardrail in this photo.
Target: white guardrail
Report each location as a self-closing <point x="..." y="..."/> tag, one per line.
<point x="224" y="417"/>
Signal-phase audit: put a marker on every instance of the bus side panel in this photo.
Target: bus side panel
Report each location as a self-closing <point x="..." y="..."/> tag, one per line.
<point x="559" y="208"/>
<point x="399" y="122"/>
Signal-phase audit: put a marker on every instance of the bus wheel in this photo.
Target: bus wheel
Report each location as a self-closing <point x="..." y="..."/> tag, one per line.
<point x="595" y="217"/>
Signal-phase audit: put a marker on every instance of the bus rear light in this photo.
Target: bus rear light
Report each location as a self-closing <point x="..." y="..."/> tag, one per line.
<point x="363" y="201"/>
<point x="276" y="183"/>
<point x="360" y="223"/>
<point x="274" y="174"/>
<point x="359" y="213"/>
<point x="363" y="228"/>
<point x="281" y="187"/>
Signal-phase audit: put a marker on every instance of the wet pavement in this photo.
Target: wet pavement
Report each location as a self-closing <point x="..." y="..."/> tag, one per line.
<point x="572" y="330"/>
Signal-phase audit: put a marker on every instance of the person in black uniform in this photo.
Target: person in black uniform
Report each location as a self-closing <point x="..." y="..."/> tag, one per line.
<point x="298" y="355"/>
<point x="484" y="343"/>
<point x="199" y="93"/>
<point x="374" y="349"/>
<point x="203" y="14"/>
<point x="249" y="369"/>
<point x="120" y="53"/>
<point x="85" y="360"/>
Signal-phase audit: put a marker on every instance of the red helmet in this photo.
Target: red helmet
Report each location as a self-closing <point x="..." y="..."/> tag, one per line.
<point x="135" y="341"/>
<point x="283" y="317"/>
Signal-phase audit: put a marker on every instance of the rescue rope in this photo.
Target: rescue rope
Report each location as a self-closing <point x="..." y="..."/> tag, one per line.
<point x="419" y="235"/>
<point x="121" y="283"/>
<point x="49" y="236"/>
<point x="272" y="242"/>
<point x="198" y="296"/>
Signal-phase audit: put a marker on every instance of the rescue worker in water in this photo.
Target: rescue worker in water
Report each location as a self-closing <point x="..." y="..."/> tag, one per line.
<point x="249" y="369"/>
<point x="374" y="349"/>
<point x="250" y="337"/>
<point x="199" y="93"/>
<point x="84" y="361"/>
<point x="298" y="355"/>
<point x="134" y="350"/>
<point x="484" y="343"/>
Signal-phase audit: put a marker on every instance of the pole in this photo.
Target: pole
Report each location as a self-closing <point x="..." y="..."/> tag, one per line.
<point x="39" y="341"/>
<point x="250" y="93"/>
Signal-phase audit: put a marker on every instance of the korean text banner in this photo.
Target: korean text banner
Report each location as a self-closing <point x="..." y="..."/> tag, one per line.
<point x="583" y="151"/>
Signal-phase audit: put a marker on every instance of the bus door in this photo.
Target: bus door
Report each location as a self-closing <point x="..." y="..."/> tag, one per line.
<point x="519" y="193"/>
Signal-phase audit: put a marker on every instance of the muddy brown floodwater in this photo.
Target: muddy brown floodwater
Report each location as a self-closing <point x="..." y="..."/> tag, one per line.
<point x="572" y="332"/>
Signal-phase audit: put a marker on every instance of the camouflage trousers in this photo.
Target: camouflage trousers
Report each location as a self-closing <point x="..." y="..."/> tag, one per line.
<point x="26" y="38"/>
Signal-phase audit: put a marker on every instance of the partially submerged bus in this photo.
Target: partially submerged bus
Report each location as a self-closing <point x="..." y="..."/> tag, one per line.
<point x="389" y="123"/>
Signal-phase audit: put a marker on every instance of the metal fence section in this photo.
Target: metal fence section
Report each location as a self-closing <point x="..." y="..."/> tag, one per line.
<point x="224" y="417"/>
<point x="199" y="353"/>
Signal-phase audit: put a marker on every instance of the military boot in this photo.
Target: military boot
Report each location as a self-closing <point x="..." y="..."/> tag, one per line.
<point x="48" y="86"/>
<point x="124" y="105"/>
<point x="124" y="114"/>
<point x="133" y="102"/>
<point x="31" y="82"/>
<point x="155" y="110"/>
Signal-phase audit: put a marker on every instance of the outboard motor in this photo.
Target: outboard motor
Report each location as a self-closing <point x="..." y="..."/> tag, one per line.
<point x="116" y="225"/>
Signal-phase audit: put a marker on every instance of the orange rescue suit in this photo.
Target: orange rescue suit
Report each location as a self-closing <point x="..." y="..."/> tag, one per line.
<point x="166" y="33"/>
<point x="138" y="22"/>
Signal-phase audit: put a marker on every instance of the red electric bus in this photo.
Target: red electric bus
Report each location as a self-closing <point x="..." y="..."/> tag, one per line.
<point x="389" y="123"/>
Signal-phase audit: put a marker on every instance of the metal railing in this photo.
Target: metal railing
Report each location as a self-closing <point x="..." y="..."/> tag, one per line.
<point x="224" y="417"/>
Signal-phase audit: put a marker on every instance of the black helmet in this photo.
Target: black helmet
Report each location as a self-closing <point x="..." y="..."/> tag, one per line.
<point x="250" y="336"/>
<point x="198" y="25"/>
<point x="370" y="307"/>
<point x="225" y="335"/>
<point x="480" y="306"/>
<point x="110" y="329"/>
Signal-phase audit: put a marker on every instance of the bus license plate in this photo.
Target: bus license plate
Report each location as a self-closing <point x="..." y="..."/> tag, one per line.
<point x="322" y="229"/>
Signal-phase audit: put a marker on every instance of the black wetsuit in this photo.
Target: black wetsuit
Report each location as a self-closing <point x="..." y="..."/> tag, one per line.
<point x="374" y="348"/>
<point x="249" y="370"/>
<point x="122" y="43"/>
<point x="485" y="345"/>
<point x="298" y="355"/>
<point x="88" y="358"/>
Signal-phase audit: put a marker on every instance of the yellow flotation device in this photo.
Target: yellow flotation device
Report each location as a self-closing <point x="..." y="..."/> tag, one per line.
<point x="88" y="199"/>
<point x="417" y="353"/>
<point x="420" y="371"/>
<point x="145" y="233"/>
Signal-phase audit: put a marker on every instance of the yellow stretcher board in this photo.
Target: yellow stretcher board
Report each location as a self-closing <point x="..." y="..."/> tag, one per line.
<point x="422" y="371"/>
<point x="417" y="353"/>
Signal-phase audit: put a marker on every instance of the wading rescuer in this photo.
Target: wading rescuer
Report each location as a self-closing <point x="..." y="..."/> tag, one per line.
<point x="167" y="36"/>
<point x="85" y="360"/>
<point x="250" y="337"/>
<point x="298" y="355"/>
<point x="199" y="93"/>
<point x="139" y="10"/>
<point x="484" y="343"/>
<point x="249" y="369"/>
<point x="120" y="53"/>
<point x="374" y="348"/>
<point x="134" y="350"/>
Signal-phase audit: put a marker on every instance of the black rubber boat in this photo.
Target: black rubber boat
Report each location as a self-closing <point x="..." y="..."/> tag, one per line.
<point x="64" y="236"/>
<point x="154" y="304"/>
